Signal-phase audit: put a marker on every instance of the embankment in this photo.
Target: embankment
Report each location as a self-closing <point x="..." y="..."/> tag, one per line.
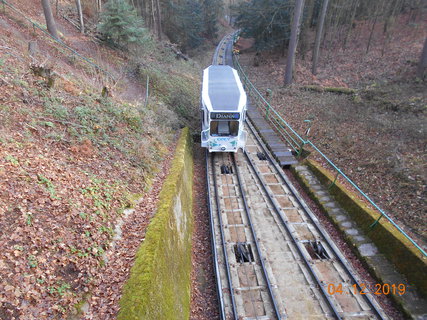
<point x="159" y="283"/>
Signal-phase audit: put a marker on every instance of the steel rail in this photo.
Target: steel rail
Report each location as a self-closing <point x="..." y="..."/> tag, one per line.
<point x="212" y="226"/>
<point x="294" y="240"/>
<point x="215" y="61"/>
<point x="309" y="213"/>
<point x="220" y="45"/>
<point x="236" y="230"/>
<point x="248" y="215"/>
<point x="224" y="247"/>
<point x="213" y="241"/>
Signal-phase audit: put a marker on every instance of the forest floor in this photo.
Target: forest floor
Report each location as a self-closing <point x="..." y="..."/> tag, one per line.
<point x="71" y="162"/>
<point x="377" y="135"/>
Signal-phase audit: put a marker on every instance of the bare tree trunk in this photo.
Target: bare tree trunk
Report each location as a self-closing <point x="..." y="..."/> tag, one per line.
<point x="50" y="22"/>
<point x="299" y="5"/>
<point x="318" y="36"/>
<point x="154" y="17"/>
<point x="159" y="20"/>
<point x="80" y="13"/>
<point x="146" y="10"/>
<point x="388" y="23"/>
<point x="389" y="14"/>
<point x="378" y="11"/>
<point x="305" y="28"/>
<point x="139" y="10"/>
<point x="148" y="15"/>
<point x="334" y="30"/>
<point x="422" y="65"/>
<point x="372" y="32"/>
<point x="350" y="26"/>
<point x="416" y="7"/>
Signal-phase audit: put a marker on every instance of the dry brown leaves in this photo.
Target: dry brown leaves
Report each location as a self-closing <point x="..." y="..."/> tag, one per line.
<point x="108" y="283"/>
<point x="204" y="303"/>
<point x="59" y="201"/>
<point x="381" y="149"/>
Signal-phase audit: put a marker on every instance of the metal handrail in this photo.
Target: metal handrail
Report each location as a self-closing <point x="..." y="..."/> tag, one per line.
<point x="296" y="137"/>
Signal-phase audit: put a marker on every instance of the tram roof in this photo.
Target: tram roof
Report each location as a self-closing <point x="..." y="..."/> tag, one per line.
<point x="222" y="89"/>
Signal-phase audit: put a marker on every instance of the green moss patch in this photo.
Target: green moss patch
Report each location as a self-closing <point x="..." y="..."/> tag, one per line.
<point x="159" y="283"/>
<point x="407" y="259"/>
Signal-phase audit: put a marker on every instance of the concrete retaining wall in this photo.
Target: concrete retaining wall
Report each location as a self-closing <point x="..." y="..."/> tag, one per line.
<point x="407" y="259"/>
<point x="159" y="283"/>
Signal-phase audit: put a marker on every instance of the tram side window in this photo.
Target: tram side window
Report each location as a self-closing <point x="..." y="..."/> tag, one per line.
<point x="224" y="128"/>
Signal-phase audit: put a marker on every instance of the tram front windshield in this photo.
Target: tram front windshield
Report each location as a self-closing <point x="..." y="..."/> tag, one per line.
<point x="224" y="128"/>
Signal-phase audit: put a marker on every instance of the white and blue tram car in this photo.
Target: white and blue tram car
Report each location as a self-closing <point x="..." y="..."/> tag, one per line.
<point x="223" y="107"/>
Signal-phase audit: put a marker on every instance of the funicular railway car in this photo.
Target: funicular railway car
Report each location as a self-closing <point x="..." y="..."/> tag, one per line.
<point x="223" y="107"/>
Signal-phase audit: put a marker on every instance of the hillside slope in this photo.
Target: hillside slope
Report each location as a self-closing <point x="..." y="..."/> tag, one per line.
<point x="377" y="135"/>
<point x="77" y="147"/>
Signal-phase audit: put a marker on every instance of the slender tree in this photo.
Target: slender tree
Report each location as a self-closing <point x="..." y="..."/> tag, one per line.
<point x="389" y="22"/>
<point x="377" y="12"/>
<point x="422" y="64"/>
<point x="306" y="27"/>
<point x="354" y="6"/>
<point x="267" y="21"/>
<point x="151" y="13"/>
<point x="336" y="10"/>
<point x="159" y="20"/>
<point x="299" y="5"/>
<point x="319" y="32"/>
<point x="50" y="21"/>
<point x="80" y="13"/>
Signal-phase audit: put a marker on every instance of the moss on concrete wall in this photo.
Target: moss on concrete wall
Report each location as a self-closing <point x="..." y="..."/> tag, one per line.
<point x="396" y="247"/>
<point x="159" y="283"/>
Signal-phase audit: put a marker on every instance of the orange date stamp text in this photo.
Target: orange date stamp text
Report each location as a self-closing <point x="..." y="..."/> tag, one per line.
<point x="377" y="289"/>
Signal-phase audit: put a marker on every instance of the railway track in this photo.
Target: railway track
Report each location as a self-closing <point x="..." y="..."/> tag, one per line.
<point x="272" y="258"/>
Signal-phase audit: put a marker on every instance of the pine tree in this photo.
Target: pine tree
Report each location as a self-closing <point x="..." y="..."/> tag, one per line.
<point x="121" y="25"/>
<point x="211" y="9"/>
